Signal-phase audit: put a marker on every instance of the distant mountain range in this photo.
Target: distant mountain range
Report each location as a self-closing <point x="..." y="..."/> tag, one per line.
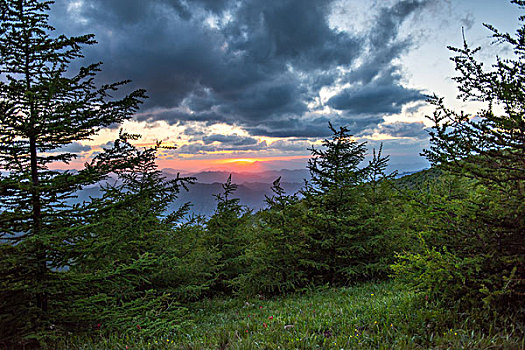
<point x="251" y="194"/>
<point x="252" y="187"/>
<point x="251" y="190"/>
<point x="266" y="176"/>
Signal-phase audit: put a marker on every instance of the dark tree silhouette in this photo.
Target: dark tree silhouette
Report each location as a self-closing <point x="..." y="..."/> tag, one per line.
<point x="43" y="108"/>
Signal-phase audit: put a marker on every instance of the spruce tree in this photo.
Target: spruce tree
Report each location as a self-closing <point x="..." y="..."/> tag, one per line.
<point x="133" y="260"/>
<point x="275" y="253"/>
<point x="228" y="229"/>
<point x="489" y="148"/>
<point x="348" y="211"/>
<point x="43" y="107"/>
<point x="330" y="197"/>
<point x="335" y="166"/>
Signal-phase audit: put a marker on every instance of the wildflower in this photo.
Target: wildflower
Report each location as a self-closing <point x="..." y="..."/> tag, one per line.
<point x="249" y="315"/>
<point x="270" y="318"/>
<point x="372" y="294"/>
<point x="246" y="331"/>
<point x="98" y="325"/>
<point x="127" y="347"/>
<point x="260" y="307"/>
<point x="265" y="325"/>
<point x="139" y="327"/>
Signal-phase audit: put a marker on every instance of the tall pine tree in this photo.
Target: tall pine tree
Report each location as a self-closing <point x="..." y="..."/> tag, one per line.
<point x="347" y="207"/>
<point x="489" y="147"/>
<point x="228" y="229"/>
<point x="330" y="197"/>
<point x="43" y="107"/>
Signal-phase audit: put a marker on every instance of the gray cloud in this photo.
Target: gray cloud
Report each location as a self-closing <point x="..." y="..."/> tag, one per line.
<point x="193" y="132"/>
<point x="257" y="68"/>
<point x="468" y="21"/>
<point x="291" y="145"/>
<point x="233" y="140"/>
<point x="203" y="148"/>
<point x="74" y="147"/>
<point x="292" y="127"/>
<point x="375" y="99"/>
<point x="376" y="83"/>
<point x="401" y="129"/>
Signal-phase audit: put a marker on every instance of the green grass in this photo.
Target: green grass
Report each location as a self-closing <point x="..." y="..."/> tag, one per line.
<point x="368" y="316"/>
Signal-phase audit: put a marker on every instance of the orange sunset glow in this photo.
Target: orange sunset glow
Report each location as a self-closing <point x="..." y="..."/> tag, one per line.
<point x="224" y="164"/>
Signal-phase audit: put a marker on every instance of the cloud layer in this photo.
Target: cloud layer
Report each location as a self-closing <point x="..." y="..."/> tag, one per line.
<point x="258" y="65"/>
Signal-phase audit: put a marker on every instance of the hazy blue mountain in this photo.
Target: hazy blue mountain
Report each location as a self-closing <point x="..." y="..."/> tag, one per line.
<point x="251" y="194"/>
<point x="267" y="176"/>
<point x="252" y="188"/>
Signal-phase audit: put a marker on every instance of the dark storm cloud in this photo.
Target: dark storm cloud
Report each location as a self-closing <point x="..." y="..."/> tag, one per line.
<point x="292" y="127"/>
<point x="255" y="64"/>
<point x="292" y="31"/>
<point x="175" y="117"/>
<point x="375" y="99"/>
<point x="200" y="148"/>
<point x="234" y="140"/>
<point x="376" y="83"/>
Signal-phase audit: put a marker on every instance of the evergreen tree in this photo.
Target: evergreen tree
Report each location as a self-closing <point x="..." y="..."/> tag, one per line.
<point x="43" y="107"/>
<point x="132" y="211"/>
<point x="375" y="233"/>
<point x="228" y="229"/>
<point x="331" y="197"/>
<point x="132" y="261"/>
<point x="350" y="232"/>
<point x="274" y="255"/>
<point x="488" y="248"/>
<point x="335" y="166"/>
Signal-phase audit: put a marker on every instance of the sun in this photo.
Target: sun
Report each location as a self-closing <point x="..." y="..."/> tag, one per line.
<point x="241" y="164"/>
<point x="242" y="161"/>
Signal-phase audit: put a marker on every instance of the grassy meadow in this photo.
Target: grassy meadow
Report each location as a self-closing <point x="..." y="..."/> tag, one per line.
<point x="382" y="315"/>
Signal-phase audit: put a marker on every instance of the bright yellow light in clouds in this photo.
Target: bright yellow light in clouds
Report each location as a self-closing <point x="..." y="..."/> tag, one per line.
<point x="241" y="160"/>
<point x="223" y="164"/>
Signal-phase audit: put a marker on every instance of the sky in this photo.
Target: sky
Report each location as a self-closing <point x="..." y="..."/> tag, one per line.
<point x="234" y="81"/>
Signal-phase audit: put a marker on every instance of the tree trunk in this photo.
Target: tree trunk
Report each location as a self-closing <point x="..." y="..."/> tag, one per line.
<point x="40" y="250"/>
